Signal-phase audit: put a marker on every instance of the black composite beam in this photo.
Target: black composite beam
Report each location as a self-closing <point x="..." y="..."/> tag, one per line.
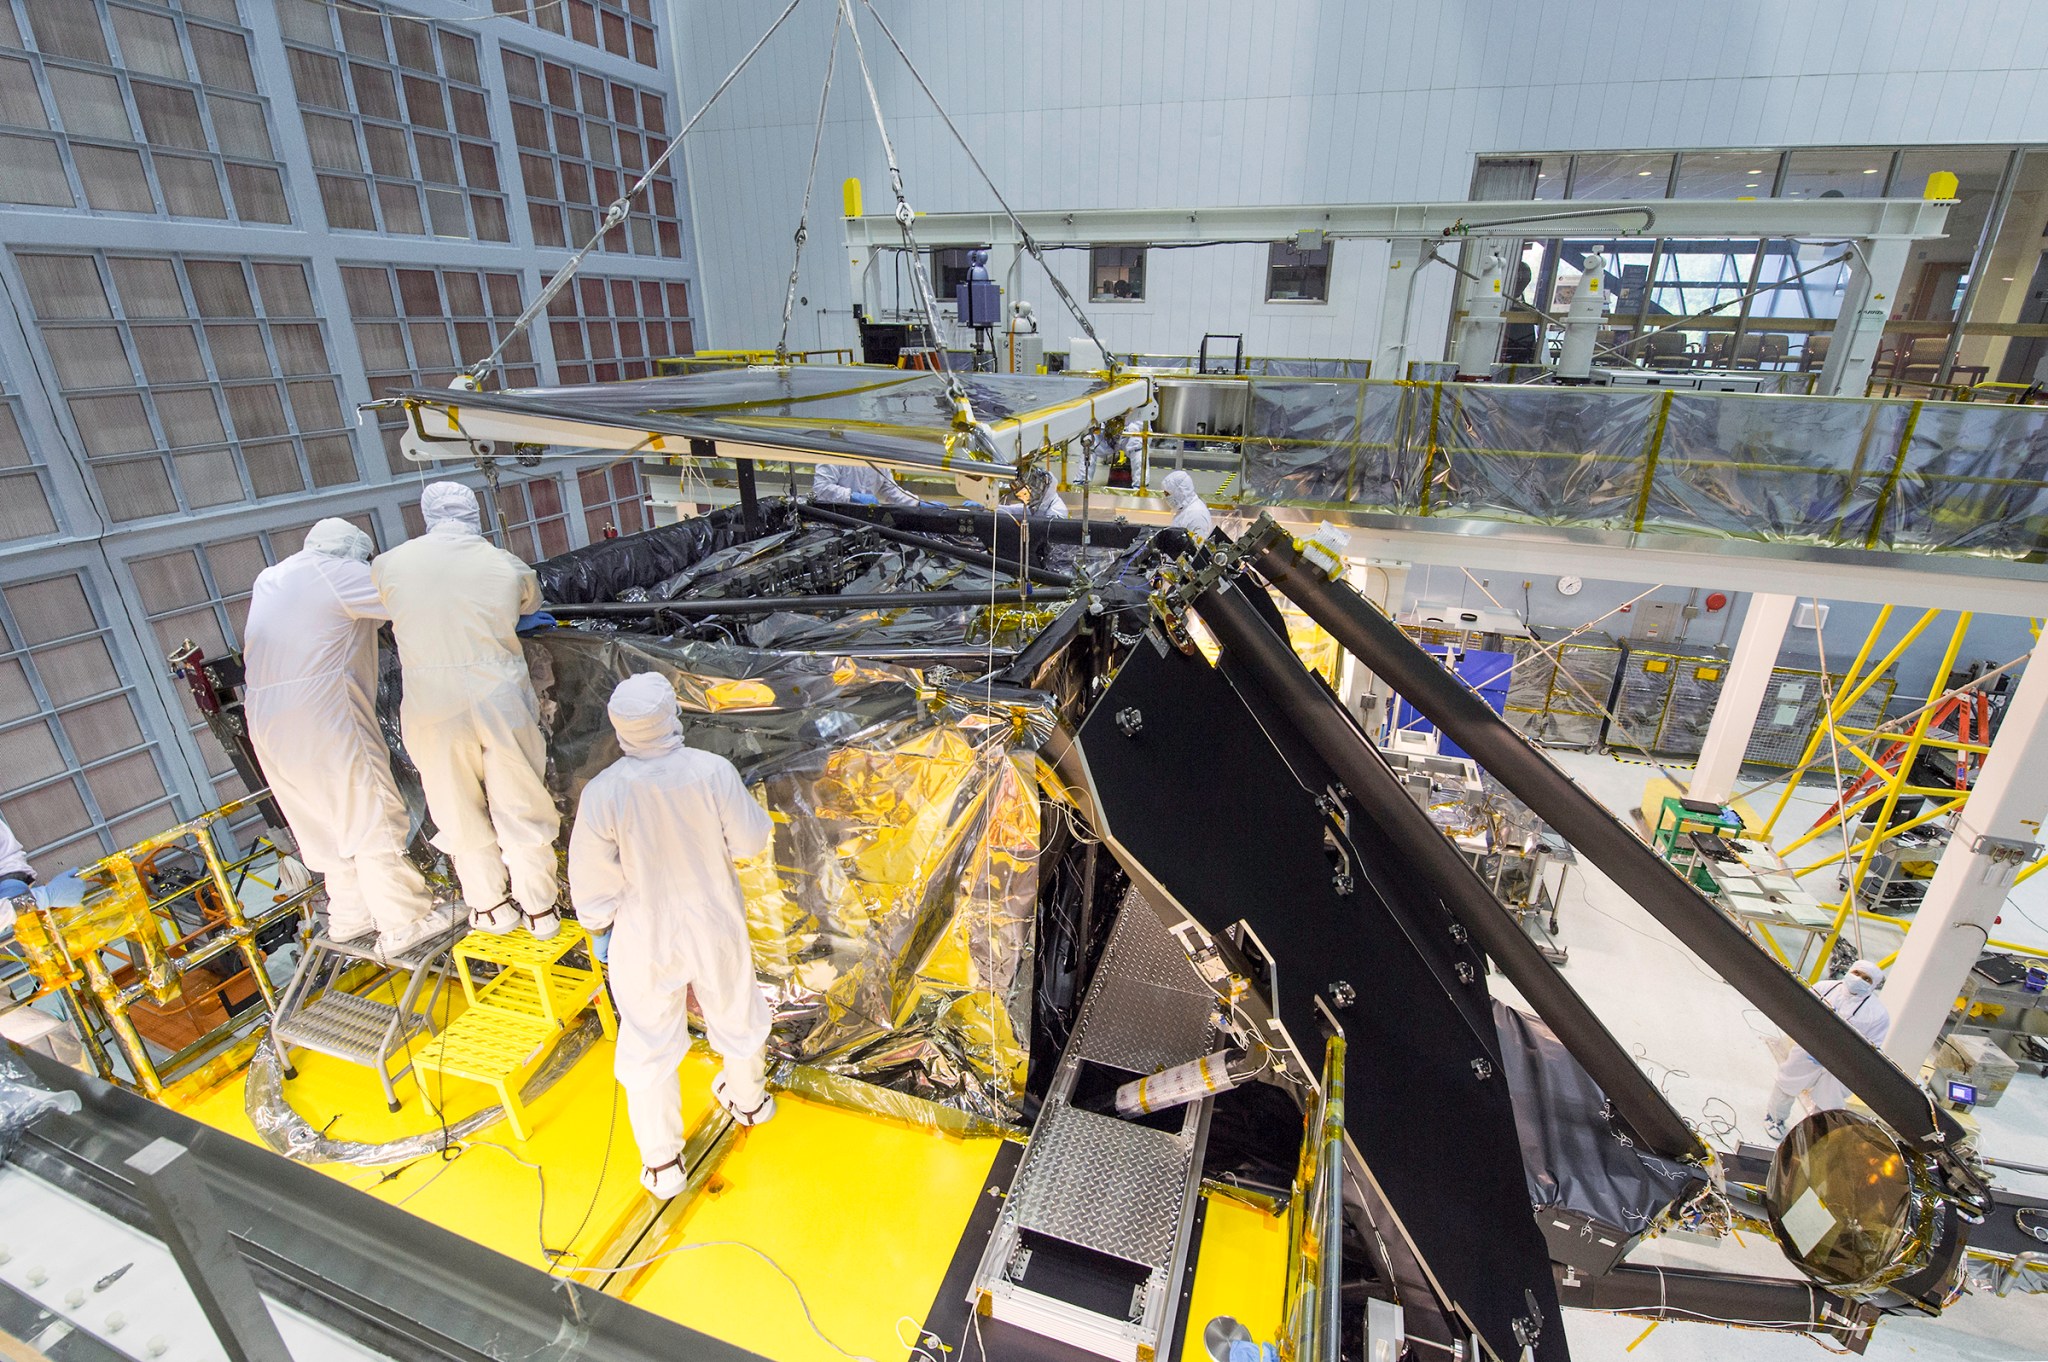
<point x="1596" y="834"/>
<point x="1207" y="794"/>
<point x="1376" y="790"/>
<point x="1692" y="1296"/>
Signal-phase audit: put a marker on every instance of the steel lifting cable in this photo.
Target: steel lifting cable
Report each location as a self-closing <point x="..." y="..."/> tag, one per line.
<point x="920" y="286"/>
<point x="1030" y="242"/>
<point x="617" y="211"/>
<point x="803" y="221"/>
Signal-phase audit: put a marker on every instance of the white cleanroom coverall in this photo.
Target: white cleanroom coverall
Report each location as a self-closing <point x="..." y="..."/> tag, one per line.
<point x="310" y="648"/>
<point x="837" y="484"/>
<point x="470" y="720"/>
<point x="1188" y="511"/>
<point x="1855" y="1001"/>
<point x="651" y="859"/>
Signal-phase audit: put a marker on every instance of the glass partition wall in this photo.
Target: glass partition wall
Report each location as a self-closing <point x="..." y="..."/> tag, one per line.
<point x="1971" y="312"/>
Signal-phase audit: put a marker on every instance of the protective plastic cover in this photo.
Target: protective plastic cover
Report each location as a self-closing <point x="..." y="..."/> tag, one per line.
<point x="22" y="1099"/>
<point x="1576" y="1158"/>
<point x="894" y="923"/>
<point x="1844" y="472"/>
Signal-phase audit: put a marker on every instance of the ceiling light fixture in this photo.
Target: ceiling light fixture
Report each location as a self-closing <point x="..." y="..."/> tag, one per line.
<point x="1871" y="171"/>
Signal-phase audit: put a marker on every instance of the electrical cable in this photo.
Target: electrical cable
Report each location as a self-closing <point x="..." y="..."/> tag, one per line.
<point x="920" y="286"/>
<point x="1030" y="243"/>
<point x="802" y="1303"/>
<point x="1827" y="701"/>
<point x="617" y="211"/>
<point x="803" y="221"/>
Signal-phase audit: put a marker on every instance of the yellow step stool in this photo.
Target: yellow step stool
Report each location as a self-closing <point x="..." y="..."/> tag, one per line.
<point x="516" y="1017"/>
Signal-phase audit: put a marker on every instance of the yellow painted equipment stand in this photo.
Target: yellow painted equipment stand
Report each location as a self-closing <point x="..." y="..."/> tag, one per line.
<point x="1887" y="772"/>
<point x="514" y="1018"/>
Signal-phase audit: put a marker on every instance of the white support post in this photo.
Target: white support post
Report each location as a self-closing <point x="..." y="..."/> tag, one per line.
<point x="1478" y="341"/>
<point x="1867" y="298"/>
<point x="1404" y="258"/>
<point x="1742" y="696"/>
<point x="1995" y="836"/>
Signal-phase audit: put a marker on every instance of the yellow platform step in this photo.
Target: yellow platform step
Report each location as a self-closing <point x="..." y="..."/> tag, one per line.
<point x="515" y="1017"/>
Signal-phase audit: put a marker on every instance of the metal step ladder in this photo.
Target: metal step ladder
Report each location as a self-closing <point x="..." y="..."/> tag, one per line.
<point x="1093" y="1239"/>
<point x="372" y="1020"/>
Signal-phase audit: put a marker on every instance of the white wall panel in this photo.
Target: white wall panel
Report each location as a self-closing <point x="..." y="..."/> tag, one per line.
<point x="1155" y="103"/>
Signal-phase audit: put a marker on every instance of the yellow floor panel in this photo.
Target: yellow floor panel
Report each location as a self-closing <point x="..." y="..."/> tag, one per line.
<point x="485" y="1194"/>
<point x="1241" y="1272"/>
<point x="863" y="1213"/>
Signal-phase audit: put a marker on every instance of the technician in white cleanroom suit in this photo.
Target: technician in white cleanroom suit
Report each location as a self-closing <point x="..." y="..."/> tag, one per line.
<point x="1188" y="511"/>
<point x="310" y="647"/>
<point x="470" y="720"/>
<point x="15" y="875"/>
<point x="651" y="862"/>
<point x="840" y="484"/>
<point x="1854" y="998"/>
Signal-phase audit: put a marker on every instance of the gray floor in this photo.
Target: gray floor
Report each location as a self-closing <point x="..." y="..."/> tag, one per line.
<point x="1707" y="1047"/>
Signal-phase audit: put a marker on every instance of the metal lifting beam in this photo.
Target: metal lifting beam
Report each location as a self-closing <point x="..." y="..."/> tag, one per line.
<point x="1376" y="790"/>
<point x="1506" y="755"/>
<point x="764" y="605"/>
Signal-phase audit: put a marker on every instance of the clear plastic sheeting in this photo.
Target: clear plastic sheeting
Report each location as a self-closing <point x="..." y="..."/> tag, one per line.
<point x="898" y="416"/>
<point x="894" y="924"/>
<point x="1772" y="467"/>
<point x="1849" y="473"/>
<point x="1973" y="477"/>
<point x="1556" y="456"/>
<point x="1328" y="443"/>
<point x="22" y="1099"/>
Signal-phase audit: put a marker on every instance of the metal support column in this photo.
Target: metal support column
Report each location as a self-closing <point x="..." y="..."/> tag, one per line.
<point x="1742" y="696"/>
<point x="1997" y="834"/>
<point x="1397" y="297"/>
<point x="169" y="1182"/>
<point x="1867" y="297"/>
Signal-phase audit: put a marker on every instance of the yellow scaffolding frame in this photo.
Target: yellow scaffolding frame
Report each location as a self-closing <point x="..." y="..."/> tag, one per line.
<point x="1894" y="777"/>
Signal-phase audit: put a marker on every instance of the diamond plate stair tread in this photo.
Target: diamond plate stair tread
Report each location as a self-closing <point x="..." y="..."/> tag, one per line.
<point x="341" y="1022"/>
<point x="1144" y="1028"/>
<point x="1142" y="950"/>
<point x="1105" y="1184"/>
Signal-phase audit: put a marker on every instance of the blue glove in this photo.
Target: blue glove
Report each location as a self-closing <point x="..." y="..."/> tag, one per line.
<point x="535" y="623"/>
<point x="12" y="887"/>
<point x="859" y="499"/>
<point x="601" y="946"/>
<point x="68" y="890"/>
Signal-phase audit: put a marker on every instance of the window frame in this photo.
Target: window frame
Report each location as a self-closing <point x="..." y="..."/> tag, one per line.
<point x="14" y="648"/>
<point x="1328" y="250"/>
<point x="1096" y="266"/>
<point x="119" y="68"/>
<point x="208" y="331"/>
